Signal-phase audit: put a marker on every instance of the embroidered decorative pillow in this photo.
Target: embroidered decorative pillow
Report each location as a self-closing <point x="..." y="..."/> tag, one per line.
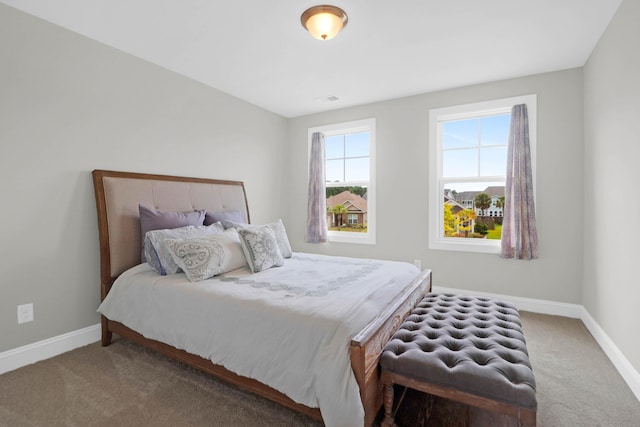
<point x="281" y="237"/>
<point x="278" y="230"/>
<point x="235" y="216"/>
<point x="203" y="257"/>
<point x="154" y="219"/>
<point x="157" y="253"/>
<point x="260" y="248"/>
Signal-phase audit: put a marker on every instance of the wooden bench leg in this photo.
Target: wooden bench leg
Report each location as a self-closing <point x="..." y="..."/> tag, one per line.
<point x="387" y="396"/>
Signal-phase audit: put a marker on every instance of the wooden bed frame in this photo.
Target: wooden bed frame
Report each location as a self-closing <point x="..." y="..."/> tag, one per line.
<point x="117" y="197"/>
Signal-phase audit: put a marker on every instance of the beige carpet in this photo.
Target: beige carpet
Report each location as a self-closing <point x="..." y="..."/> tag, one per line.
<point x="126" y="385"/>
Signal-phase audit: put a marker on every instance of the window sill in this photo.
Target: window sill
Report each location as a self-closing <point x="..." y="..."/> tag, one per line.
<point x="467" y="245"/>
<point x="357" y="238"/>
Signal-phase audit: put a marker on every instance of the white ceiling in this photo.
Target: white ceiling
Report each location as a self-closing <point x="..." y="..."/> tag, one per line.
<point x="258" y="51"/>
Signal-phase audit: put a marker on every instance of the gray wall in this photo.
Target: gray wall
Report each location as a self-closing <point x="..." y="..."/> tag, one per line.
<point x="402" y="186"/>
<point x="612" y="178"/>
<point x="69" y="105"/>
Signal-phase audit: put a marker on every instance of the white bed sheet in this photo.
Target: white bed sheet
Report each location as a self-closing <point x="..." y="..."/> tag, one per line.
<point x="287" y="327"/>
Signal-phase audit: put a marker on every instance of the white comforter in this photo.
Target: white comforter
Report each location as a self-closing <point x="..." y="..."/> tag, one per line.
<point x="288" y="327"/>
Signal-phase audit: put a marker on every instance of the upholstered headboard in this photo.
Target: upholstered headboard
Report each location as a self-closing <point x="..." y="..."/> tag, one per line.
<point x="118" y="195"/>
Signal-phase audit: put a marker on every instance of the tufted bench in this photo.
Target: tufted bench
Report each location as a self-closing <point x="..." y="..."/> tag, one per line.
<point x="463" y="348"/>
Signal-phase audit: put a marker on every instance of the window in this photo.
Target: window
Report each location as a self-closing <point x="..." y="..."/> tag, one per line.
<point x="350" y="180"/>
<point x="467" y="171"/>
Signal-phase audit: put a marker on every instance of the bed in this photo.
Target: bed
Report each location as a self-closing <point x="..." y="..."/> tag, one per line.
<point x="118" y="195"/>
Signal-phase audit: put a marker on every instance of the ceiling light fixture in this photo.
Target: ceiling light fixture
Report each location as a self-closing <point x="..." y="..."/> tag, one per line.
<point x="324" y="22"/>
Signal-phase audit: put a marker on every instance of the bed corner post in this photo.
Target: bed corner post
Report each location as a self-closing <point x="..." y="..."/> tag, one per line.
<point x="106" y="333"/>
<point x="105" y="256"/>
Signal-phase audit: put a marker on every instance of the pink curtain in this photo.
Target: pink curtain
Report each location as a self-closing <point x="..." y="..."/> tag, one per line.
<point x="317" y="203"/>
<point x="519" y="233"/>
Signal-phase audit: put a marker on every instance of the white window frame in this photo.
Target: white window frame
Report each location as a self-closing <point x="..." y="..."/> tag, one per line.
<point x="365" y="125"/>
<point x="438" y="116"/>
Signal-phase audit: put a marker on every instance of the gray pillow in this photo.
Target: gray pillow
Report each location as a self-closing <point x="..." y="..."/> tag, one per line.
<point x="260" y="248"/>
<point x="234" y="224"/>
<point x="207" y="256"/>
<point x="154" y="219"/>
<point x="212" y="217"/>
<point x="157" y="253"/>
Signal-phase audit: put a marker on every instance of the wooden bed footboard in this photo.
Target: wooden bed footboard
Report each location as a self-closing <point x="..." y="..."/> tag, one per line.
<point x="368" y="344"/>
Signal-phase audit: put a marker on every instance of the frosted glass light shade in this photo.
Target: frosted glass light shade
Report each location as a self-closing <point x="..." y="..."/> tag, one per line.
<point x="324" y="22"/>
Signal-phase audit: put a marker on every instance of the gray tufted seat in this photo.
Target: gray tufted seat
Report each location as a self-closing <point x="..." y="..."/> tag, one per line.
<point x="464" y="348"/>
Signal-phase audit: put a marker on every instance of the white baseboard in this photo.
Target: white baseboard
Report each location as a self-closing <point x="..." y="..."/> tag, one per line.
<point x="575" y="311"/>
<point x="45" y="349"/>
<point x="624" y="367"/>
<point x="553" y="308"/>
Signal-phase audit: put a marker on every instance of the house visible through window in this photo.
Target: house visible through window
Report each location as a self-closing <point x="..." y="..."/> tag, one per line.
<point x="350" y="180"/>
<point x="468" y="148"/>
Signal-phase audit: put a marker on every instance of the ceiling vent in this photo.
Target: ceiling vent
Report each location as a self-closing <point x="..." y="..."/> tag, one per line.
<point x="325" y="99"/>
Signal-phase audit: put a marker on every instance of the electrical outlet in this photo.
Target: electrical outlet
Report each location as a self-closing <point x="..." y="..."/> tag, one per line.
<point x="417" y="263"/>
<point x="25" y="313"/>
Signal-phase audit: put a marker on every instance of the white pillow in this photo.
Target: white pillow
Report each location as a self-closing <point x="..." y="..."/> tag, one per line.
<point x="204" y="257"/>
<point x="156" y="252"/>
<point x="278" y="230"/>
<point x="260" y="248"/>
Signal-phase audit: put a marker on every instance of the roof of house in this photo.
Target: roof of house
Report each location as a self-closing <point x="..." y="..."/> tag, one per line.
<point x="493" y="191"/>
<point x="455" y="206"/>
<point x="497" y="190"/>
<point x="347" y="198"/>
